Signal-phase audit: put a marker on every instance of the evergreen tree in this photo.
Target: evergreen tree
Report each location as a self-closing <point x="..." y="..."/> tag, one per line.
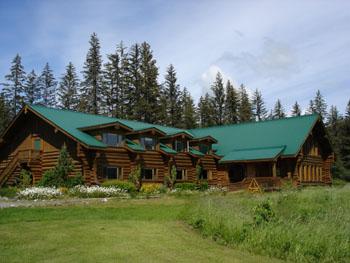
<point x="68" y="89"/>
<point x="347" y="111"/>
<point x="218" y="99"/>
<point x="258" y="106"/>
<point x="278" y="111"/>
<point x="173" y="94"/>
<point x="92" y="84"/>
<point x="4" y="114"/>
<point x="333" y="117"/>
<point x="245" y="108"/>
<point x="206" y="111"/>
<point x="14" y="87"/>
<point x="134" y="81"/>
<point x="31" y="89"/>
<point x="320" y="105"/>
<point x="147" y="98"/>
<point x="296" y="111"/>
<point x="311" y="108"/>
<point x="162" y="116"/>
<point x="189" y="116"/>
<point x="115" y="83"/>
<point x="231" y="104"/>
<point x="47" y="84"/>
<point x="344" y="145"/>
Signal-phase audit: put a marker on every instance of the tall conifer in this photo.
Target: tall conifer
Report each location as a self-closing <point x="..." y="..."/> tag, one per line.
<point x="189" y="115"/>
<point x="278" y="111"/>
<point x="68" y="89"/>
<point x="47" y="84"/>
<point x="31" y="89"/>
<point x="206" y="111"/>
<point x="218" y="99"/>
<point x="296" y="111"/>
<point x="245" y="107"/>
<point x="258" y="106"/>
<point x="231" y="104"/>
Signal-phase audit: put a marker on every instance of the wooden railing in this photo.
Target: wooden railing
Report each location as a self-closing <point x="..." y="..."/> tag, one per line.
<point x="260" y="184"/>
<point x="27" y="155"/>
<point x="11" y="166"/>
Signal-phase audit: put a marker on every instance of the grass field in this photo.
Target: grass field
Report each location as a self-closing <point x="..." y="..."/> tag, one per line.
<point x="116" y="231"/>
<point x="312" y="225"/>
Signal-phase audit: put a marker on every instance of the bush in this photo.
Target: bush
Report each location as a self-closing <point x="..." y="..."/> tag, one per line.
<point x="8" y="192"/>
<point x="39" y="193"/>
<point x="186" y="186"/>
<point x="72" y="181"/>
<point x="125" y="185"/>
<point x="203" y="185"/>
<point x="135" y="177"/>
<point x="170" y="179"/>
<point x="263" y="212"/>
<point x="151" y="188"/>
<point x="97" y="192"/>
<point x="25" y="178"/>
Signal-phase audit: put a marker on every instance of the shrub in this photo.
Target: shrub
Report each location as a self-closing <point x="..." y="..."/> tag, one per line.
<point x="263" y="212"/>
<point x="125" y="185"/>
<point x="203" y="185"/>
<point x="39" y="193"/>
<point x="97" y="191"/>
<point x="151" y="188"/>
<point x="135" y="177"/>
<point x="25" y="178"/>
<point x="8" y="191"/>
<point x="186" y="186"/>
<point x="170" y="180"/>
<point x="58" y="176"/>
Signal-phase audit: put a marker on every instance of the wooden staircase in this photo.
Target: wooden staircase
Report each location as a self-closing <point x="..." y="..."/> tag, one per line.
<point x="9" y="169"/>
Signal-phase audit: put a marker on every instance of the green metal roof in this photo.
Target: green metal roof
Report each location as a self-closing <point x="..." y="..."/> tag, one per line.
<point x="232" y="140"/>
<point x="290" y="132"/>
<point x="167" y="149"/>
<point x="196" y="152"/>
<point x="253" y="154"/>
<point x="134" y="146"/>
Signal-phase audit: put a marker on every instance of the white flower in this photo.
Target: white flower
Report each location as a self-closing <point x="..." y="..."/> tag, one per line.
<point x="39" y="193"/>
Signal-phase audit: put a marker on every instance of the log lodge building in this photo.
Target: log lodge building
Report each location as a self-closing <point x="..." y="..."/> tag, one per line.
<point x="103" y="148"/>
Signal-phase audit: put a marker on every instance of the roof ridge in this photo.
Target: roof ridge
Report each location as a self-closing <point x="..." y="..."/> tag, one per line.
<point x="256" y="122"/>
<point x="259" y="148"/>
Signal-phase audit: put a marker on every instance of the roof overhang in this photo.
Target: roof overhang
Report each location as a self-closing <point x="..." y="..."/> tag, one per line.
<point x="152" y="130"/>
<point x="181" y="134"/>
<point x="115" y="124"/>
<point x="205" y="138"/>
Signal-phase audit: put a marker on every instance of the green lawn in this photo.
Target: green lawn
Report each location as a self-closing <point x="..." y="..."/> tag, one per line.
<point x="116" y="231"/>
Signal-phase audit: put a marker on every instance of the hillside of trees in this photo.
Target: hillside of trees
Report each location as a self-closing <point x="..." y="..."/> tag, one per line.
<point x="126" y="86"/>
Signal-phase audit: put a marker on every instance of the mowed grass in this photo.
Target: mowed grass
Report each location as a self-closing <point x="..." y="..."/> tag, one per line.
<point x="116" y="231"/>
<point x="309" y="225"/>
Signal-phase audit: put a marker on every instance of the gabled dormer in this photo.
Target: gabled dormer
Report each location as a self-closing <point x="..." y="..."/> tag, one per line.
<point x="203" y="144"/>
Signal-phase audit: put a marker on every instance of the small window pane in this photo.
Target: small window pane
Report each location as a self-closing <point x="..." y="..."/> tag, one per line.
<point x="203" y="175"/>
<point x="179" y="146"/>
<point x="180" y="174"/>
<point x="148" y="143"/>
<point x="37" y="144"/>
<point x="204" y="148"/>
<point x="111" y="172"/>
<point x="147" y="174"/>
<point x="112" y="139"/>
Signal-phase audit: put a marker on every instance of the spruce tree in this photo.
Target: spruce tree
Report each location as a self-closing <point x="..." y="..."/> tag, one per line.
<point x="311" y="108"/>
<point x="320" y="105"/>
<point x="296" y="111"/>
<point x="278" y="111"/>
<point x="231" y="104"/>
<point x="333" y="117"/>
<point x="134" y="81"/>
<point x="47" y="85"/>
<point x="218" y="99"/>
<point x="162" y="116"/>
<point x="344" y="144"/>
<point x="245" y="107"/>
<point x="258" y="106"/>
<point x="115" y="85"/>
<point x="68" y="89"/>
<point x="31" y="89"/>
<point x="173" y="94"/>
<point x="4" y="114"/>
<point x="347" y="110"/>
<point x="147" y="97"/>
<point x="14" y="87"/>
<point x="206" y="111"/>
<point x="189" y="115"/>
<point x="91" y="90"/>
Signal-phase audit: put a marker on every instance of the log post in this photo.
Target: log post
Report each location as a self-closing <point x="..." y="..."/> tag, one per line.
<point x="274" y="172"/>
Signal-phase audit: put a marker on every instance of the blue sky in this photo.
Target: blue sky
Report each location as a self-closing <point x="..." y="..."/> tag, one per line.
<point x="287" y="49"/>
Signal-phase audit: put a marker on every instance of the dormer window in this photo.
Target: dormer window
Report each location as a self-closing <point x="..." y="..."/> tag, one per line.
<point x="112" y="139"/>
<point x="179" y="146"/>
<point x="148" y="143"/>
<point x="204" y="148"/>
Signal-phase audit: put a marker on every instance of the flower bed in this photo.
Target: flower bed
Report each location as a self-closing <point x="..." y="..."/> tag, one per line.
<point x="39" y="193"/>
<point x="97" y="191"/>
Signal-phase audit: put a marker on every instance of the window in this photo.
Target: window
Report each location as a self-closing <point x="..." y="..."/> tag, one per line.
<point x="148" y="143"/>
<point x="110" y="172"/>
<point x="179" y="146"/>
<point x="203" y="175"/>
<point x="112" y="139"/>
<point x="148" y="173"/>
<point x="181" y="174"/>
<point x="37" y="144"/>
<point x="204" y="148"/>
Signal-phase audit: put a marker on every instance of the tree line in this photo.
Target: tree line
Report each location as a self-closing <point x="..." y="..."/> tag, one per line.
<point x="126" y="86"/>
